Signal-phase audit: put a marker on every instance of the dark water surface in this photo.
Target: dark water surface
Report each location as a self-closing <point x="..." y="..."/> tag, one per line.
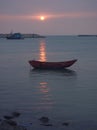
<point x="65" y="95"/>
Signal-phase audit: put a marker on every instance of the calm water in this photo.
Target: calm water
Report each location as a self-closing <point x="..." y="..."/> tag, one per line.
<point x="69" y="95"/>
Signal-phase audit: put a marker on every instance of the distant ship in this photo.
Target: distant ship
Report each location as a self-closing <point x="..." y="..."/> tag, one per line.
<point x="15" y="36"/>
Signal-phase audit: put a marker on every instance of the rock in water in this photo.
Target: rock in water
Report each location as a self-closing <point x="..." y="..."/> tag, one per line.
<point x="5" y="125"/>
<point x="16" y="114"/>
<point x="44" y="119"/>
<point x="8" y="117"/>
<point x="65" y="123"/>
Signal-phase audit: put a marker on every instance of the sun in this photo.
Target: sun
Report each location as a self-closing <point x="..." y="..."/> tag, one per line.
<point x="42" y="18"/>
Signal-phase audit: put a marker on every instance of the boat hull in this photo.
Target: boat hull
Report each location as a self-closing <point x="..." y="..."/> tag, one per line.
<point x="51" y="65"/>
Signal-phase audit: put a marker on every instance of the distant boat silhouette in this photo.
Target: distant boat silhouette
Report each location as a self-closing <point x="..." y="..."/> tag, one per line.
<point x="15" y="36"/>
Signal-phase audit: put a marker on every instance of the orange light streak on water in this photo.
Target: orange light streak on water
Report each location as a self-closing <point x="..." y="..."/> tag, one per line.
<point x="42" y="52"/>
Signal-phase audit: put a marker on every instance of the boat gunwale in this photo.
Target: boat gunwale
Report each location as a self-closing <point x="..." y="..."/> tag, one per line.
<point x="51" y="65"/>
<point x="52" y="61"/>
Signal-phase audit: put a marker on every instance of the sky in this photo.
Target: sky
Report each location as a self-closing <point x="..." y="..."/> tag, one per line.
<point x="49" y="17"/>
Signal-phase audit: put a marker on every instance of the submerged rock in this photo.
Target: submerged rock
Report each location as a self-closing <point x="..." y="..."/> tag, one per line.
<point x="8" y="117"/>
<point x="13" y="115"/>
<point x="11" y="122"/>
<point x="46" y="124"/>
<point x="10" y="125"/>
<point x="44" y="119"/>
<point x="65" y="123"/>
<point x="16" y="114"/>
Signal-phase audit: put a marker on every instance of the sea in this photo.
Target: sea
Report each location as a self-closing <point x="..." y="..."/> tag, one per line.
<point x="68" y="97"/>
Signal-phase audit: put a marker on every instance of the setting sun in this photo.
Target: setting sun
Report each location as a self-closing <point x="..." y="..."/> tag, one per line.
<point x="42" y="18"/>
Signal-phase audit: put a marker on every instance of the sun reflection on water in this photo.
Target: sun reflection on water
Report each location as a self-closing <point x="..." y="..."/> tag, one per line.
<point x="46" y="98"/>
<point x="44" y="89"/>
<point x="42" y="49"/>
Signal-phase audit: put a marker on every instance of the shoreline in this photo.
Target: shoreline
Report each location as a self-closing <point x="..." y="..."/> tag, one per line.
<point x="12" y="122"/>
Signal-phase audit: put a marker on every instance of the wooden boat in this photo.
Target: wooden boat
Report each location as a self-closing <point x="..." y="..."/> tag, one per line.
<point x="51" y="65"/>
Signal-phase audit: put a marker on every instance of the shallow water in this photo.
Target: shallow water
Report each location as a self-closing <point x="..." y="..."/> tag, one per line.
<point x="65" y="95"/>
